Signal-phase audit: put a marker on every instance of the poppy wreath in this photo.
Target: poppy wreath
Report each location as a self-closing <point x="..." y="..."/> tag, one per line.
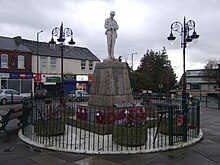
<point x="99" y="117"/>
<point x="139" y="113"/>
<point x="81" y="113"/>
<point x="111" y="117"/>
<point x="123" y="114"/>
<point x="180" y="120"/>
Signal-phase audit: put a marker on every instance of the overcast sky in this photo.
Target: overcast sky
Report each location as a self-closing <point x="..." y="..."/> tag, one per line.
<point x="143" y="24"/>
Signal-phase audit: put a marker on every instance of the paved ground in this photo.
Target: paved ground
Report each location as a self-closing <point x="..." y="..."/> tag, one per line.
<point x="207" y="152"/>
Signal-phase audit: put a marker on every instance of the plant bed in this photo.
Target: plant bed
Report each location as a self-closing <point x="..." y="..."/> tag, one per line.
<point x="51" y="127"/>
<point x="129" y="136"/>
<point x="130" y="128"/>
<point x="70" y="112"/>
<point x="152" y="113"/>
<point x="177" y="126"/>
<point x="91" y="126"/>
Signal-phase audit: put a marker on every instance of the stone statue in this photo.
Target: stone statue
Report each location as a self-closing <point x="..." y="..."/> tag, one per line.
<point x="111" y="26"/>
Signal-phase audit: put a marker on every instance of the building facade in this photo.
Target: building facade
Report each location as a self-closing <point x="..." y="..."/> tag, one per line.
<point x="15" y="66"/>
<point x="197" y="85"/>
<point x="196" y="80"/>
<point x="44" y="65"/>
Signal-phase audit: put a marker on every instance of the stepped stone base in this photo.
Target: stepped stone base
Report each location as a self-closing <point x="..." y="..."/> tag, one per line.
<point x="111" y="85"/>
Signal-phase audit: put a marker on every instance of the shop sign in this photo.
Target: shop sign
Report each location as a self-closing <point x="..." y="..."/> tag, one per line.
<point x="21" y="75"/>
<point x="4" y="75"/>
<point x="37" y="77"/>
<point x="81" y="78"/>
<point x="53" y="79"/>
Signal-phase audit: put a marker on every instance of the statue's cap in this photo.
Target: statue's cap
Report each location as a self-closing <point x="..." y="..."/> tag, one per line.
<point x="112" y="13"/>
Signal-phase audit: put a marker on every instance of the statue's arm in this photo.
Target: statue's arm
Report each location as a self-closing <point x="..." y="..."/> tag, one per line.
<point x="107" y="26"/>
<point x="116" y="26"/>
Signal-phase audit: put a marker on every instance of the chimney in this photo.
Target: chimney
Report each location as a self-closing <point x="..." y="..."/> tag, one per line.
<point x="18" y="40"/>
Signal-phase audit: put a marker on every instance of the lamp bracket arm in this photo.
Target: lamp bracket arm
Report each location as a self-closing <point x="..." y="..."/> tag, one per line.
<point x="177" y="26"/>
<point x="55" y="31"/>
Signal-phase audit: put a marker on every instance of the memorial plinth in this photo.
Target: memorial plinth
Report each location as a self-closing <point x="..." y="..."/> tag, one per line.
<point x="111" y="85"/>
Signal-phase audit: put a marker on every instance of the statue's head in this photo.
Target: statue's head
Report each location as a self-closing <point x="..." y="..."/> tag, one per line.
<point x="112" y="13"/>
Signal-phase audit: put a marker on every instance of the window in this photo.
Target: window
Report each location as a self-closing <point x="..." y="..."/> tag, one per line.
<point x="53" y="63"/>
<point x="83" y="64"/>
<point x="43" y="62"/>
<point x="90" y="65"/>
<point x="4" y="61"/>
<point x="20" y="62"/>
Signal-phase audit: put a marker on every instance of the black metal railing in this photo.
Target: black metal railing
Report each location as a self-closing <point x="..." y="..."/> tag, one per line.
<point x="209" y="101"/>
<point x="78" y="127"/>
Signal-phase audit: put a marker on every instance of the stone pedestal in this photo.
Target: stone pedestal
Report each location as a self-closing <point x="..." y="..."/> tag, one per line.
<point x="111" y="85"/>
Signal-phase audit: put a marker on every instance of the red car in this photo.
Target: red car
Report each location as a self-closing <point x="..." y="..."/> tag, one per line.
<point x="40" y="94"/>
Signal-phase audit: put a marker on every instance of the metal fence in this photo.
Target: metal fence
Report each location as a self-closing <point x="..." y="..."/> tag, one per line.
<point x="210" y="102"/>
<point x="78" y="127"/>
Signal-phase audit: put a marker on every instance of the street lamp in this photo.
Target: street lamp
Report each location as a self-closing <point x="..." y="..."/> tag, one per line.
<point x="184" y="30"/>
<point x="62" y="34"/>
<point x="132" y="60"/>
<point x="38" y="58"/>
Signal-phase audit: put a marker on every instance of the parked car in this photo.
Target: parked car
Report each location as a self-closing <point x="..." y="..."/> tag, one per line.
<point x="78" y="95"/>
<point x="71" y="95"/>
<point x="40" y="94"/>
<point x="6" y="96"/>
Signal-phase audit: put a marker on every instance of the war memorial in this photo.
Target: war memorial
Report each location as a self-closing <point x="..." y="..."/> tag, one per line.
<point x="113" y="121"/>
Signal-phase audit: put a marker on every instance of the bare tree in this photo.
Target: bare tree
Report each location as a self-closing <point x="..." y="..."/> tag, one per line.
<point x="211" y="72"/>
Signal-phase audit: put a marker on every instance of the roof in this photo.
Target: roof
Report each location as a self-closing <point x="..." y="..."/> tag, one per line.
<point x="9" y="44"/>
<point x="44" y="49"/>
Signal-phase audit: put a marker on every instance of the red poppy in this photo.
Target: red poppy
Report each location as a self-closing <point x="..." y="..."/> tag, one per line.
<point x="180" y="120"/>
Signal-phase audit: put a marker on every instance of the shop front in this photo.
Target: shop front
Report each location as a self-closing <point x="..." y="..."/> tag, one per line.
<point x="78" y="82"/>
<point x="52" y="83"/>
<point x="22" y="82"/>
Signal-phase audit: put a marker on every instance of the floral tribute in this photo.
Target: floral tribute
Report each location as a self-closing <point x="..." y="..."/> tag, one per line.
<point x="130" y="128"/>
<point x="109" y="118"/>
<point x="81" y="113"/>
<point x="130" y="117"/>
<point x="180" y="120"/>
<point x="134" y="117"/>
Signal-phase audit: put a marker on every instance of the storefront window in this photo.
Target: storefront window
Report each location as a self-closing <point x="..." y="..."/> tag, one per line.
<point x="4" y="61"/>
<point x="14" y="84"/>
<point x="20" y="85"/>
<point x="81" y="86"/>
<point x="26" y="85"/>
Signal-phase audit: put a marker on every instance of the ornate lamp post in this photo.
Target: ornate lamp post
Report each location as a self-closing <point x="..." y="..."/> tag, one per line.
<point x="184" y="30"/>
<point x="38" y="58"/>
<point x="62" y="34"/>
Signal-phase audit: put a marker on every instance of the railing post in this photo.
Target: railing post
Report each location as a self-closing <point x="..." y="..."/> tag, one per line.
<point x="12" y="98"/>
<point x="206" y="101"/>
<point x="198" y="116"/>
<point x="218" y="102"/>
<point x="185" y="112"/>
<point x="170" y="123"/>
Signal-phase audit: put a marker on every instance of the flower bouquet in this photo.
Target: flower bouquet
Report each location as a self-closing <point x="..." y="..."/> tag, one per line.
<point x="130" y="128"/>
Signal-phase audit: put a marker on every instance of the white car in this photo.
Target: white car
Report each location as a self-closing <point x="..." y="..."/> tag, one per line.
<point x="78" y="95"/>
<point x="7" y="94"/>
